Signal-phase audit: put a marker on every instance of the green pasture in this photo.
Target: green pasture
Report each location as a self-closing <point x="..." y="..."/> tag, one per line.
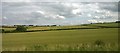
<point x="14" y="41"/>
<point x="63" y="40"/>
<point x="29" y="28"/>
<point x="106" y="24"/>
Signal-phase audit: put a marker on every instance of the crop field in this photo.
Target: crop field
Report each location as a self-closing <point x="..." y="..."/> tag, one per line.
<point x="69" y="38"/>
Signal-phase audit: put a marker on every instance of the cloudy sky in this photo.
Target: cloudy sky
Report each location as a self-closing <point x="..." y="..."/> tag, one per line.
<point x="60" y="13"/>
<point x="60" y="0"/>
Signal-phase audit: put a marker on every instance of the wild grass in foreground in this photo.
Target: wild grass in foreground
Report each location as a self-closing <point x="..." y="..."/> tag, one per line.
<point x="96" y="46"/>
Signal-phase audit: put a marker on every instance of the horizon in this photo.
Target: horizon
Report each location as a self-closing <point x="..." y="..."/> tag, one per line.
<point x="56" y="24"/>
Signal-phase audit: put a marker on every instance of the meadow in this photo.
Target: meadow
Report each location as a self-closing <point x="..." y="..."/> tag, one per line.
<point x="64" y="40"/>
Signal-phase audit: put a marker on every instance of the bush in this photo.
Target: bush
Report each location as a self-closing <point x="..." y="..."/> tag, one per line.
<point x="2" y="30"/>
<point x="99" y="43"/>
<point x="21" y="29"/>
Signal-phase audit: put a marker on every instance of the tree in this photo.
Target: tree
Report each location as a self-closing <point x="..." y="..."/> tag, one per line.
<point x="2" y="30"/>
<point x="21" y="29"/>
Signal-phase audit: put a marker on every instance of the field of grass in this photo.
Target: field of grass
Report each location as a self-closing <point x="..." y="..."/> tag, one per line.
<point x="64" y="27"/>
<point x="8" y="29"/>
<point x="65" y="40"/>
<point x="105" y="25"/>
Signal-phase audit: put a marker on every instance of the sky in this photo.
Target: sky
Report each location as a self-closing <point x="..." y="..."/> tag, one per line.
<point x="60" y="0"/>
<point x="63" y="12"/>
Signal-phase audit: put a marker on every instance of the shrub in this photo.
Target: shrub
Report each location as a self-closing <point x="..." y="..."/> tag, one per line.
<point x="99" y="43"/>
<point x="21" y="29"/>
<point x="2" y="30"/>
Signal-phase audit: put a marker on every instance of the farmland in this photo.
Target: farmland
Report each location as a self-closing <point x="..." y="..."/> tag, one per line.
<point x="63" y="40"/>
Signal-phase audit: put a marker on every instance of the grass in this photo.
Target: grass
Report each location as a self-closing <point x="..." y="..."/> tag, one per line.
<point x="61" y="40"/>
<point x="106" y="24"/>
<point x="103" y="38"/>
<point x="8" y="29"/>
<point x="74" y="47"/>
<point x="64" y="27"/>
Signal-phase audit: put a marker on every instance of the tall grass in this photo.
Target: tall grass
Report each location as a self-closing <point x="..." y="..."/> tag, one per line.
<point x="77" y="47"/>
<point x="69" y="47"/>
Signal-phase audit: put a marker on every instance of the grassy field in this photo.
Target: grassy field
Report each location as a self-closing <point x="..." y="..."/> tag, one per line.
<point x="65" y="40"/>
<point x="8" y="29"/>
<point x="64" y="27"/>
<point x="83" y="39"/>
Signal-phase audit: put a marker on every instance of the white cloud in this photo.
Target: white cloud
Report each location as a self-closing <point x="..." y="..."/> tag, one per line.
<point x="76" y="11"/>
<point x="97" y="17"/>
<point x="5" y="17"/>
<point x="101" y="21"/>
<point x="75" y="5"/>
<point x="48" y="15"/>
<point x="41" y="12"/>
<point x="93" y="21"/>
<point x="60" y="17"/>
<point x="89" y="15"/>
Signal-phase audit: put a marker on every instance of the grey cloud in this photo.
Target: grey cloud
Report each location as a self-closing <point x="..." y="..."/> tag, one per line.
<point x="55" y="13"/>
<point x="112" y="6"/>
<point x="60" y="0"/>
